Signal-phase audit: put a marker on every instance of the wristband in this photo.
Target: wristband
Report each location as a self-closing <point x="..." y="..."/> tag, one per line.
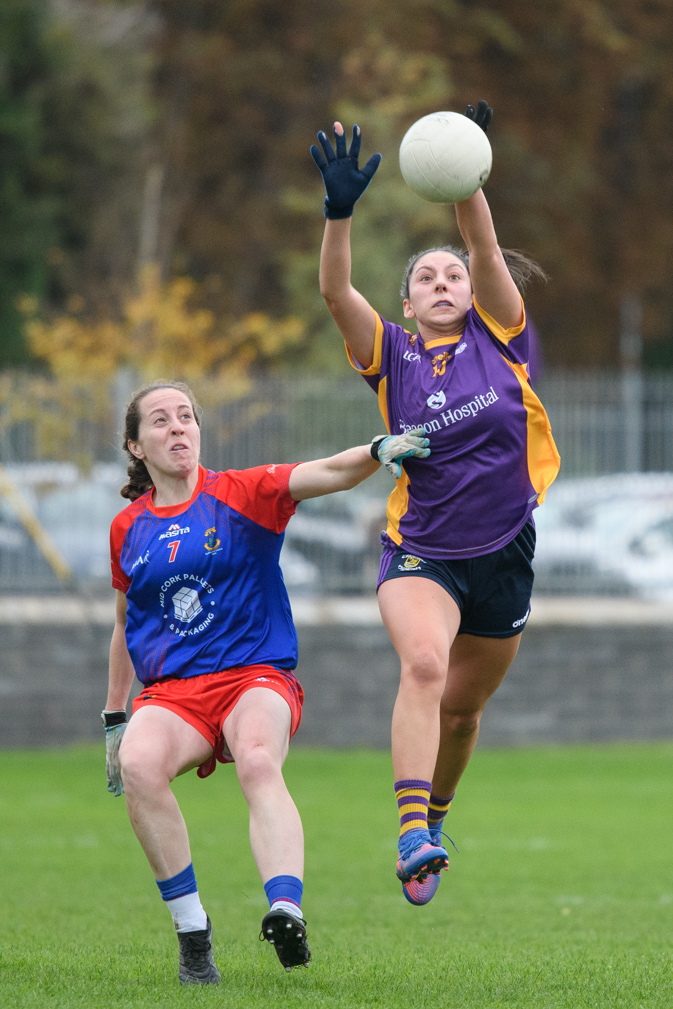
<point x="110" y="718"/>
<point x="374" y="447"/>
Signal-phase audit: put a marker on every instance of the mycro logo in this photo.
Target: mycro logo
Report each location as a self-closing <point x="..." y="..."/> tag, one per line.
<point x="519" y="623"/>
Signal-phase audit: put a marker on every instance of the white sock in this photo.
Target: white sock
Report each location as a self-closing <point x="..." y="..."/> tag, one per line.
<point x="288" y="906"/>
<point x="187" y="912"/>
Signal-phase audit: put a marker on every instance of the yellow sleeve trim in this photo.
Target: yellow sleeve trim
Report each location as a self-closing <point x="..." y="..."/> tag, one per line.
<point x="504" y="335"/>
<point x="375" y="367"/>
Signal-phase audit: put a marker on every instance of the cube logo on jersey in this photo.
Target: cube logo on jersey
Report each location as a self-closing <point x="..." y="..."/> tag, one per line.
<point x="186" y="604"/>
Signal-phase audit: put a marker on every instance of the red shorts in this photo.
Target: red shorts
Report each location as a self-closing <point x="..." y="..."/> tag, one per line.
<point x="205" y="701"/>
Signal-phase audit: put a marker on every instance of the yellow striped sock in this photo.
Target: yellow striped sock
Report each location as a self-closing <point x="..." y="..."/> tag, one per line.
<point x="413" y="796"/>
<point x="437" y="810"/>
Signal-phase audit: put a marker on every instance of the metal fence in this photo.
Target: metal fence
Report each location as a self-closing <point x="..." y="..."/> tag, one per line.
<point x="59" y="446"/>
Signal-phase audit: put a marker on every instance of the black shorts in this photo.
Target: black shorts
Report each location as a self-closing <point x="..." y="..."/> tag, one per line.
<point x="492" y="592"/>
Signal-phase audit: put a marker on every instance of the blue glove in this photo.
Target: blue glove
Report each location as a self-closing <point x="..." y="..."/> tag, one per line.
<point x="391" y="449"/>
<point x="482" y="115"/>
<point x="113" y="738"/>
<point x="344" y="181"/>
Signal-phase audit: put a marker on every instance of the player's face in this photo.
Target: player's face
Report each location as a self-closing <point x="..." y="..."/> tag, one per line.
<point x="169" y="439"/>
<point x="440" y="293"/>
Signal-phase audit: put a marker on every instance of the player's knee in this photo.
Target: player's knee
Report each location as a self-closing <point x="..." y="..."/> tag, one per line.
<point x="462" y="723"/>
<point x="139" y="772"/>
<point x="425" y="670"/>
<point x="256" y="765"/>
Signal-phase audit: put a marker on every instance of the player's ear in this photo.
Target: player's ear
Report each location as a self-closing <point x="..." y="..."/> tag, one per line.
<point x="135" y="449"/>
<point x="409" y="312"/>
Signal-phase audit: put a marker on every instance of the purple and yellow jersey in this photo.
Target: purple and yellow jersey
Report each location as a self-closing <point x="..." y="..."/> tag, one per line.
<point x="493" y="456"/>
<point x="202" y="579"/>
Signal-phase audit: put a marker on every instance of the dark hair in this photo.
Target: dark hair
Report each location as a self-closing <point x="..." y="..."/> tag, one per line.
<point x="140" y="480"/>
<point x="521" y="268"/>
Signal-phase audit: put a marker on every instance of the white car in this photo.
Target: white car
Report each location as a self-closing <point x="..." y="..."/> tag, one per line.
<point x="609" y="534"/>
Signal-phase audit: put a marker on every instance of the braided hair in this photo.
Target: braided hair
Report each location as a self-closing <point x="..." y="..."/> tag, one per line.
<point x="521" y="268"/>
<point x="140" y="480"/>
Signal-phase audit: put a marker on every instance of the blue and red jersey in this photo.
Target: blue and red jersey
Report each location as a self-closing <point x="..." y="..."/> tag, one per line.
<point x="202" y="579"/>
<point x="493" y="456"/>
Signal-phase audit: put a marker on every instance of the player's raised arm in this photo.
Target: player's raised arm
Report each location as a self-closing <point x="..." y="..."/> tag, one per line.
<point x="344" y="185"/>
<point x="349" y="468"/>
<point x="492" y="284"/>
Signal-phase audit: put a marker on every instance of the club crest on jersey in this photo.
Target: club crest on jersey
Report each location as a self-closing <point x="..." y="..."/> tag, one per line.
<point x="212" y="543"/>
<point x="439" y="364"/>
<point x="174" y="530"/>
<point x="411" y="563"/>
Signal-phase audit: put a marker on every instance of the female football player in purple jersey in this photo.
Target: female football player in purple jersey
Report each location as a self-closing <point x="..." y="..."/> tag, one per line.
<point x="456" y="577"/>
<point x="204" y="621"/>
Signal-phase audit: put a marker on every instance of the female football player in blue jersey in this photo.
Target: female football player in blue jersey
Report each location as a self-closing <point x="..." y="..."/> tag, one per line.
<point x="204" y="621"/>
<point x="456" y="577"/>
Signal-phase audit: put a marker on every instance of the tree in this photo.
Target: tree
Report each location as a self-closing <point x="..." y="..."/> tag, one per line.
<point x="28" y="211"/>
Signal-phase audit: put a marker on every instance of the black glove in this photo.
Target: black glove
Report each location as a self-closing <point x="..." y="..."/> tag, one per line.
<point x="344" y="181"/>
<point x="482" y="115"/>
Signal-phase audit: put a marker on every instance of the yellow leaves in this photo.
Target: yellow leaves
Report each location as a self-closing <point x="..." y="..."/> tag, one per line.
<point x="165" y="330"/>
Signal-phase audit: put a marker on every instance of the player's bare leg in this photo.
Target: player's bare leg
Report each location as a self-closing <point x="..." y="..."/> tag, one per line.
<point x="157" y="746"/>
<point x="477" y="667"/>
<point x="422" y="620"/>
<point x="257" y="732"/>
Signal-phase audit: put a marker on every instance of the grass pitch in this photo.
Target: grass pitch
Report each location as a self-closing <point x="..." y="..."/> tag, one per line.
<point x="561" y="896"/>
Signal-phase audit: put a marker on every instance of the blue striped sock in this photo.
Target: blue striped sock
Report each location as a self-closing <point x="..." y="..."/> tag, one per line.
<point x="181" y="895"/>
<point x="288" y="888"/>
<point x="177" y="886"/>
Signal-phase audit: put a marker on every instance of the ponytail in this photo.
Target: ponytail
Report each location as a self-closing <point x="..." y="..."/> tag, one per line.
<point x="139" y="480"/>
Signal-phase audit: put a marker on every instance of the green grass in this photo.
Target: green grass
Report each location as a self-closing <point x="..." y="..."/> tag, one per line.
<point x="562" y="895"/>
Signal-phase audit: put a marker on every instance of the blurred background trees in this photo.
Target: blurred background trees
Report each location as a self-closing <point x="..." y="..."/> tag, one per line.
<point x="176" y="134"/>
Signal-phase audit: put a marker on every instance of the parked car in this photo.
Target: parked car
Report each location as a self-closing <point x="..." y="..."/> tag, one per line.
<point x="76" y="511"/>
<point x="609" y="534"/>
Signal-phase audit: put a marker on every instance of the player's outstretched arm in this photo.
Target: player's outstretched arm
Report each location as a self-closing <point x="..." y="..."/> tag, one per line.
<point x="344" y="183"/>
<point x="349" y="468"/>
<point x="121" y="677"/>
<point x="493" y="287"/>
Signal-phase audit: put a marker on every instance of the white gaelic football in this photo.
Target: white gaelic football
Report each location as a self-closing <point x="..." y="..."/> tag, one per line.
<point x="445" y="157"/>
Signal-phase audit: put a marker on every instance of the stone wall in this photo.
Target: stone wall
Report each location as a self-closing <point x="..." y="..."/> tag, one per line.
<point x="587" y="670"/>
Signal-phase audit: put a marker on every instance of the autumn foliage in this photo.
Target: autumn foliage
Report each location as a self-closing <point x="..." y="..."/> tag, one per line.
<point x="221" y="102"/>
